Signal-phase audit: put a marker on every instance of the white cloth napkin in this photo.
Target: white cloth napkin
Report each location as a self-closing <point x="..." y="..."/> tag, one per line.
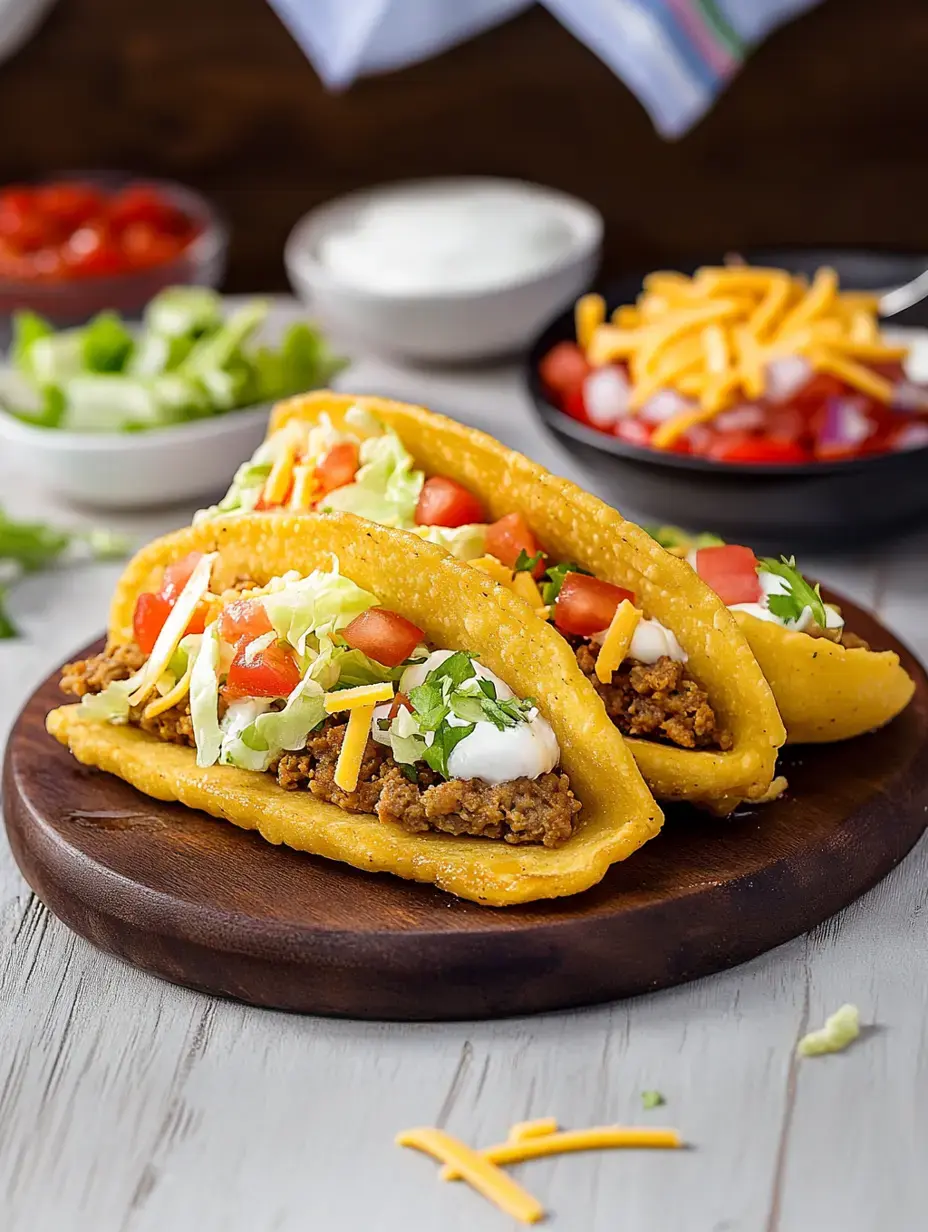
<point x="676" y="55"/>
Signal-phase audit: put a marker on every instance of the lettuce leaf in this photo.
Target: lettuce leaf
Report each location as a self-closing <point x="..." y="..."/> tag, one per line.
<point x="112" y="705"/>
<point x="386" y="487"/>
<point x="204" y="699"/>
<point x="319" y="604"/>
<point x="278" y="731"/>
<point x="464" y="542"/>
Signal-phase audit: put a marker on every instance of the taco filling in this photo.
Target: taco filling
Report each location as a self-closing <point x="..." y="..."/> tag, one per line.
<point x="365" y="469"/>
<point x="309" y="679"/>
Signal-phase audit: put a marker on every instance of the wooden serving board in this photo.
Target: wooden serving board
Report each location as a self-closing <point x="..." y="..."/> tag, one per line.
<point x="204" y="904"/>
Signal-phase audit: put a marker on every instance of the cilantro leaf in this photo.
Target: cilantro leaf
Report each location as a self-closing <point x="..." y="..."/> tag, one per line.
<point x="800" y="594"/>
<point x="487" y="688"/>
<point x="447" y="738"/>
<point x="551" y="588"/>
<point x="429" y="705"/>
<point x="525" y="563"/>
<point x="456" y="668"/>
<point x="652" y="1099"/>
<point x="408" y="771"/>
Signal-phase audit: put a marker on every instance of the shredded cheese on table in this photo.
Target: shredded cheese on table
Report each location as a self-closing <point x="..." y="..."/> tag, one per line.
<point x="532" y="1129"/>
<point x="599" y="1138"/>
<point x="482" y="1175"/>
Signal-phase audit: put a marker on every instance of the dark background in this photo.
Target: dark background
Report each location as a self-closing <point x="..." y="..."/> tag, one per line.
<point x="820" y="139"/>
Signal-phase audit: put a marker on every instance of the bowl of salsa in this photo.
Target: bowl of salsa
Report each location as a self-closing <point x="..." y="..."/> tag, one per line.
<point x="77" y="243"/>
<point x="765" y="398"/>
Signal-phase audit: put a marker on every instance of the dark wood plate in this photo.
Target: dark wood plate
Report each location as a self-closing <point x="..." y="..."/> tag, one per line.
<point x="207" y="905"/>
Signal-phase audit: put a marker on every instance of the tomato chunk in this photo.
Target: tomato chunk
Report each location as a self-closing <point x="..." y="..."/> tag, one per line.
<point x="177" y="575"/>
<point x="445" y="502"/>
<point x="757" y="450"/>
<point x="564" y="368"/>
<point x="151" y="611"/>
<point x="271" y="672"/>
<point x="243" y="618"/>
<point x="338" y="467"/>
<point x="384" y="636"/>
<point x="586" y="605"/>
<point x="510" y="536"/>
<point x="731" y="571"/>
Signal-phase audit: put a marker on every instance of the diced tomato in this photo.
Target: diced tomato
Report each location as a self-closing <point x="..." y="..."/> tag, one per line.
<point x="143" y="203"/>
<point x="740" y="447"/>
<point x="510" y="536"/>
<point x="143" y="245"/>
<point x="399" y="700"/>
<point x="384" y="636"/>
<point x="586" y="605"/>
<point x="271" y="672"/>
<point x="445" y="502"/>
<point x="731" y="571"/>
<point x="338" y="467"/>
<point x="92" y="250"/>
<point x="635" y="431"/>
<point x="243" y="618"/>
<point x="572" y="404"/>
<point x="892" y="370"/>
<point x="151" y="611"/>
<point x="818" y="388"/>
<point x="177" y="575"/>
<point x="564" y="368"/>
<point x="69" y="204"/>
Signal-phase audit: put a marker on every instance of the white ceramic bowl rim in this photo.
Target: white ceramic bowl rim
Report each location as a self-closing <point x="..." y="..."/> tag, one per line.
<point x="585" y="222"/>
<point x="194" y="432"/>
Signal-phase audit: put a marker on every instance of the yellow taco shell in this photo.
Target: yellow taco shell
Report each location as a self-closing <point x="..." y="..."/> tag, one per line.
<point x="574" y="525"/>
<point x="457" y="607"/>
<point x="826" y="691"/>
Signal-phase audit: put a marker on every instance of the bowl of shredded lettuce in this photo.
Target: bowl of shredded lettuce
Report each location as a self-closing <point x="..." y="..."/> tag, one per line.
<point x="115" y="415"/>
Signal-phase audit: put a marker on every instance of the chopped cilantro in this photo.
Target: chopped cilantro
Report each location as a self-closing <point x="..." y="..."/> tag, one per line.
<point x="525" y="563"/>
<point x="487" y="688"/>
<point x="408" y="771"/>
<point x="447" y="738"/>
<point x="799" y="595"/>
<point x="7" y="628"/>
<point x="652" y="1099"/>
<point x="457" y="668"/>
<point x="429" y="705"/>
<point x="551" y="588"/>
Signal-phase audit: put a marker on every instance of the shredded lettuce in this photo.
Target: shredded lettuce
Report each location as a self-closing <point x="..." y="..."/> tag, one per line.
<point x="840" y="1029"/>
<point x="112" y="704"/>
<point x="204" y="699"/>
<point x="319" y="604"/>
<point x="386" y="487"/>
<point x="465" y="542"/>
<point x="276" y="731"/>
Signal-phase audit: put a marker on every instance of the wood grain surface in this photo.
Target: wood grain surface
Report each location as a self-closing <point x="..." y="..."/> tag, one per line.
<point x="206" y="905"/>
<point x="815" y="142"/>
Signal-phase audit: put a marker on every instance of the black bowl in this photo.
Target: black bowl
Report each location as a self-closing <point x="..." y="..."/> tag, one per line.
<point x="834" y="505"/>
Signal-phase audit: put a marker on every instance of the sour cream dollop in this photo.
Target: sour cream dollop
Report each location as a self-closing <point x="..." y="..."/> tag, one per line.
<point x="773" y="584"/>
<point x="651" y="641"/>
<point x="526" y="750"/>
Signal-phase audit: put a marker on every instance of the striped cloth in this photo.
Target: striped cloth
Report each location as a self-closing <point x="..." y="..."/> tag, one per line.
<point x="676" y="55"/>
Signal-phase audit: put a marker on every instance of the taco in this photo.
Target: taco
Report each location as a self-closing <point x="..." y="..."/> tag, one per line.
<point x="352" y="692"/>
<point x="674" y="673"/>
<point x="828" y="683"/>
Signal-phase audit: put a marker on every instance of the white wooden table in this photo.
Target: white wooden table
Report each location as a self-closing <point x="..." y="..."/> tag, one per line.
<point x="129" y="1105"/>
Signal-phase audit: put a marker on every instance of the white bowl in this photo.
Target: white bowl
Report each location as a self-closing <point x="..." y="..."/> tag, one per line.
<point x="135" y="470"/>
<point x="448" y="325"/>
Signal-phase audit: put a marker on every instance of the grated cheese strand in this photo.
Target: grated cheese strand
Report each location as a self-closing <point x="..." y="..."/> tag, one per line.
<point x="617" y="641"/>
<point x="360" y="695"/>
<point x="477" y="1170"/>
<point x="598" y="1138"/>
<point x="532" y="1129"/>
<point x="174" y="628"/>
<point x="351" y="754"/>
<point x="525" y="586"/>
<point x="277" y="484"/>
<point x="173" y="696"/>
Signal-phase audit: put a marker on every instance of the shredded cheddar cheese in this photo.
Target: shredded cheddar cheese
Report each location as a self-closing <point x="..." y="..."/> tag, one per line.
<point x="532" y="1129"/>
<point x="277" y="484"/>
<point x="348" y="766"/>
<point x="495" y="568"/>
<point x="525" y="586"/>
<point x="478" y="1171"/>
<point x="173" y="697"/>
<point x="360" y="695"/>
<point x="712" y="336"/>
<point x="597" y="1138"/>
<point x="305" y="487"/>
<point x="617" y="641"/>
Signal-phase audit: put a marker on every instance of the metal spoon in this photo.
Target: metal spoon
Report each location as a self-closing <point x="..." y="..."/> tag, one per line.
<point x="891" y="303"/>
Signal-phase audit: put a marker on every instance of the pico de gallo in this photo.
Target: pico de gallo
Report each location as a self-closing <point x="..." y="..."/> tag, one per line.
<point x="635" y="663"/>
<point x="67" y="229"/>
<point x="740" y="365"/>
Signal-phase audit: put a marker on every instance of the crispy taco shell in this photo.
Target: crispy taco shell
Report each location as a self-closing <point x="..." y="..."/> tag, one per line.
<point x="573" y="525"/>
<point x="826" y="691"/>
<point x="457" y="607"/>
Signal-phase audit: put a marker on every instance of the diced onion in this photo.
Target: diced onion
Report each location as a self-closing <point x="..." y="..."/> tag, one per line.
<point x="786" y="376"/>
<point x="665" y="404"/>
<point x="606" y="396"/>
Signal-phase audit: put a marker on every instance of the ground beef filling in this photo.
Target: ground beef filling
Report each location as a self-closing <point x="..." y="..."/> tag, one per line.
<point x="656" y="701"/>
<point x="542" y="810"/>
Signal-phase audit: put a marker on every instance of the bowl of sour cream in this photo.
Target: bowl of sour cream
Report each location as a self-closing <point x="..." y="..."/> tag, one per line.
<point x="444" y="270"/>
